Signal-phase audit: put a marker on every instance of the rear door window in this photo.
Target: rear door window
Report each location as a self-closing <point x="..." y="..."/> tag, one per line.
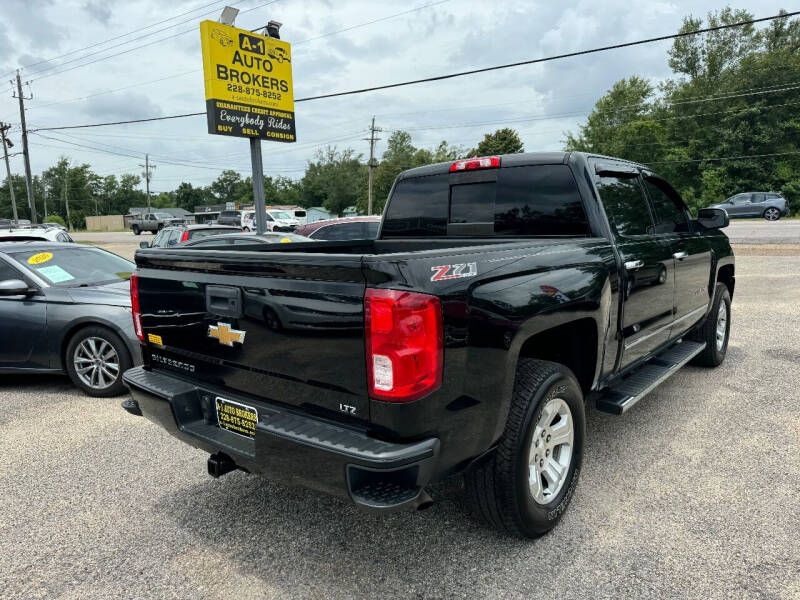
<point x="342" y="231"/>
<point x="539" y="200"/>
<point x="626" y="205"/>
<point x="174" y="237"/>
<point x="371" y="229"/>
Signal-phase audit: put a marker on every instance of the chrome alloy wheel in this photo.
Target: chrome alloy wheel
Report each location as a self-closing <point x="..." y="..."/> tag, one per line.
<point x="722" y="326"/>
<point x="96" y="363"/>
<point x="550" y="452"/>
<point x="772" y="214"/>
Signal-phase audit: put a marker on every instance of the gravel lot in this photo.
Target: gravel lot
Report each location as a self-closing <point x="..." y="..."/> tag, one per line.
<point x="694" y="493"/>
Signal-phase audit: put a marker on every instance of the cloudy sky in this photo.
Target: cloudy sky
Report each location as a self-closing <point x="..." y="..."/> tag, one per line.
<point x="91" y="61"/>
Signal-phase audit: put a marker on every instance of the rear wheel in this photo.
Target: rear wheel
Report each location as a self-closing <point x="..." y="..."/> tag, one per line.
<point x="95" y="360"/>
<point x="715" y="330"/>
<point x="525" y="485"/>
<point x="772" y="214"/>
<point x="136" y="230"/>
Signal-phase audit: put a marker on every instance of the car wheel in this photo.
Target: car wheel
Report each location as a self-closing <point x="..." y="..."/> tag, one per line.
<point x="524" y="486"/>
<point x="715" y="330"/>
<point x="772" y="214"/>
<point x="272" y="320"/>
<point x="95" y="360"/>
<point x="136" y="230"/>
<point x="160" y="227"/>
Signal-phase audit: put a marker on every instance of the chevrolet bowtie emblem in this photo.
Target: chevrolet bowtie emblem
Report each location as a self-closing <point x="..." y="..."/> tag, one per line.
<point x="225" y="335"/>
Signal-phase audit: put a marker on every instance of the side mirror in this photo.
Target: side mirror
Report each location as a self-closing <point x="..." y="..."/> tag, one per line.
<point x="713" y="218"/>
<point x="14" y="287"/>
<point x="144" y="244"/>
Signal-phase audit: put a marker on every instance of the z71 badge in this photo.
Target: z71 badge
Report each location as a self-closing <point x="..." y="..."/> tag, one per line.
<point x="445" y="272"/>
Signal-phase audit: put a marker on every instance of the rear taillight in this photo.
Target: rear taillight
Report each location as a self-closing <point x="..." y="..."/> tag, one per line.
<point x="404" y="344"/>
<point x="185" y="235"/>
<point x="135" y="310"/>
<point x="471" y="164"/>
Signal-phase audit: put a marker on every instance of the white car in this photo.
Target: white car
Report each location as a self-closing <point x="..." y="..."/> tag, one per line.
<point x="277" y="220"/>
<point x="34" y="233"/>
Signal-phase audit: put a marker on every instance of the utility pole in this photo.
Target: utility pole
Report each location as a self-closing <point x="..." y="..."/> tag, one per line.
<point x="4" y="127"/>
<point x="66" y="194"/>
<point x="25" y="153"/>
<point x="147" y="175"/>
<point x="371" y="139"/>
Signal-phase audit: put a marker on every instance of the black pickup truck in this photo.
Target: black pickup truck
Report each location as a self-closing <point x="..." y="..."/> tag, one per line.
<point x="501" y="294"/>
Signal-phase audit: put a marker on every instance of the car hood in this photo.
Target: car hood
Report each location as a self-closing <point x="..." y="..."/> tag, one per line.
<point x="112" y="294"/>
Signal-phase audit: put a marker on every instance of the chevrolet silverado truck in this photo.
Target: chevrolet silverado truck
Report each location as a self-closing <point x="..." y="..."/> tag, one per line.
<point x="154" y="222"/>
<point x="501" y="295"/>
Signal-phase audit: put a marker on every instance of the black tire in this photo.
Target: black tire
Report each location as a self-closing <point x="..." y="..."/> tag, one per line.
<point x="772" y="214"/>
<point x="498" y="484"/>
<point x="136" y="230"/>
<point x="713" y="355"/>
<point x="271" y="319"/>
<point x="124" y="360"/>
<point x="160" y="227"/>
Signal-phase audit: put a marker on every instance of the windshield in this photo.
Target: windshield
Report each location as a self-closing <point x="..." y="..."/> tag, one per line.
<point x="71" y="267"/>
<point x="163" y="216"/>
<point x="280" y="214"/>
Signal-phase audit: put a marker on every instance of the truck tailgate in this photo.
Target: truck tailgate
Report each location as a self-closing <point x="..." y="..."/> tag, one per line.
<point x="285" y="327"/>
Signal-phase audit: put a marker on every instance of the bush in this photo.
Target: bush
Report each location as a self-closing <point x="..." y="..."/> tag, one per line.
<point x="55" y="219"/>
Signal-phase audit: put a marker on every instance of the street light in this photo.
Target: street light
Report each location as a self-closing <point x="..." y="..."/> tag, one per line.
<point x="273" y="27"/>
<point x="228" y="15"/>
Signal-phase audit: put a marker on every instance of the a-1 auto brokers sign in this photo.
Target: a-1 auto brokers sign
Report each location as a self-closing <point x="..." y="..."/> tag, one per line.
<point x="248" y="83"/>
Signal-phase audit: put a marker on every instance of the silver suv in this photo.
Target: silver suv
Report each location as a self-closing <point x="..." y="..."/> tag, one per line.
<point x="770" y="205"/>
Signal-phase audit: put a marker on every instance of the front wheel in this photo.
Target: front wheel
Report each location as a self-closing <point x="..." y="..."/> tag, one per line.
<point x="136" y="230"/>
<point x="772" y="214"/>
<point x="95" y="360"/>
<point x="524" y="486"/>
<point x="715" y="330"/>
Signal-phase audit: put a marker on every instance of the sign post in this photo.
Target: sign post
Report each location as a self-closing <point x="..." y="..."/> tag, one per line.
<point x="248" y="84"/>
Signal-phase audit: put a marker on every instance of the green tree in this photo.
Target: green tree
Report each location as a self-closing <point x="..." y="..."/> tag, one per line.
<point x="502" y="141"/>
<point x="227" y="187"/>
<point x="55" y="219"/>
<point x="187" y="197"/>
<point x="726" y="123"/>
<point x="334" y="180"/>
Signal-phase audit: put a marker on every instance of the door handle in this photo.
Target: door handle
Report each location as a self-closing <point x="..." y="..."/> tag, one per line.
<point x="680" y="255"/>
<point x="634" y="264"/>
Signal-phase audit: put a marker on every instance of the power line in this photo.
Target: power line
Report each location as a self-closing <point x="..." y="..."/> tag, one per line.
<point x="464" y="73"/>
<point x="350" y="28"/>
<point x="127" y="87"/>
<point x="741" y="157"/>
<point x="56" y="70"/>
<point x="327" y="34"/>
<point x="71" y="52"/>
<point x="555" y="57"/>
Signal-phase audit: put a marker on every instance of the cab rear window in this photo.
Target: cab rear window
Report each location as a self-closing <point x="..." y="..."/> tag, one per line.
<point x="537" y="200"/>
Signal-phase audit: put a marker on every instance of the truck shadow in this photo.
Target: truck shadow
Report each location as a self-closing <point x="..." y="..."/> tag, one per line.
<point x="279" y="534"/>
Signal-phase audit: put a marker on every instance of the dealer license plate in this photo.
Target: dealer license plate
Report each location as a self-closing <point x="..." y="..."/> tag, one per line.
<point x="237" y="418"/>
